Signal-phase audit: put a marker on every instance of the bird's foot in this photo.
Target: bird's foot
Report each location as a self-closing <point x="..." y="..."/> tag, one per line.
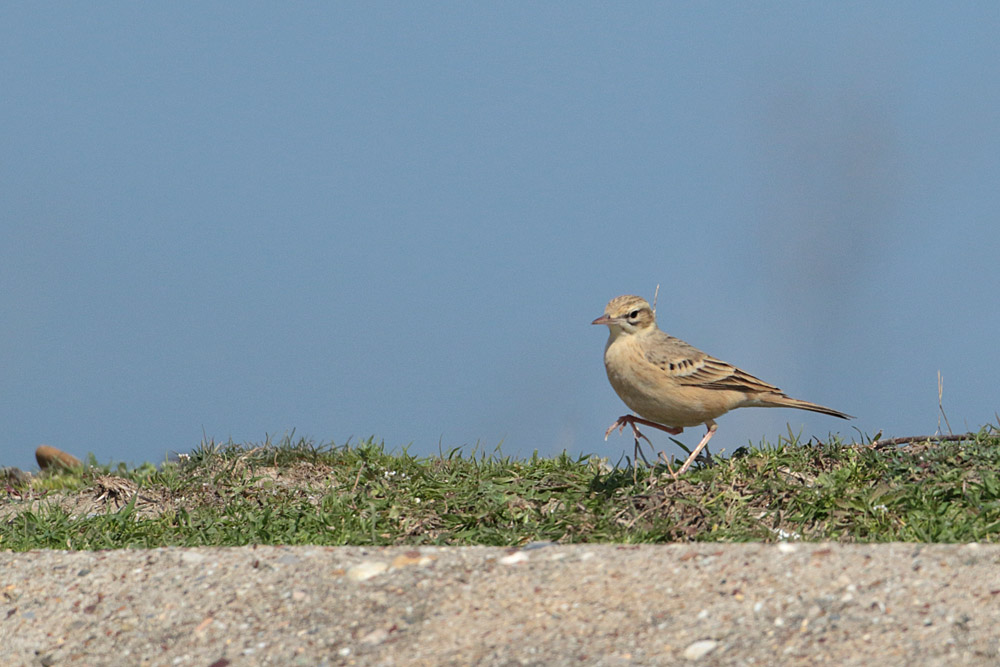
<point x="621" y="423"/>
<point x="632" y="420"/>
<point x="665" y="460"/>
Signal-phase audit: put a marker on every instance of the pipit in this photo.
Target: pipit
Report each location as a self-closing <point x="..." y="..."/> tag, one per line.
<point x="671" y="384"/>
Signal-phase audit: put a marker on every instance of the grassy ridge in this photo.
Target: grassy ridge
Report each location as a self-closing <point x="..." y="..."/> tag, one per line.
<point x="295" y="492"/>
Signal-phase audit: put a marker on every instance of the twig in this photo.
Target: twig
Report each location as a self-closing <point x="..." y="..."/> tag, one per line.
<point x="892" y="442"/>
<point x="645" y="512"/>
<point x="655" y="295"/>
<point x="357" y="479"/>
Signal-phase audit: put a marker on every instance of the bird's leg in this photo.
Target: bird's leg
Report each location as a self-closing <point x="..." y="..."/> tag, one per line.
<point x="712" y="428"/>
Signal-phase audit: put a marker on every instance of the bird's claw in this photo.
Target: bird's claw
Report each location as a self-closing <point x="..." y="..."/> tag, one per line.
<point x="621" y="423"/>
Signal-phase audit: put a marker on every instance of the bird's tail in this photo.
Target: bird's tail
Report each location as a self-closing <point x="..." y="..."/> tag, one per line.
<point x="782" y="401"/>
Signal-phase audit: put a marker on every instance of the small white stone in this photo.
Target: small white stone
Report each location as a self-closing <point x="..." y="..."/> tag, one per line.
<point x="376" y="636"/>
<point x="516" y="557"/>
<point x="367" y="570"/>
<point x="786" y="548"/>
<point x="700" y="649"/>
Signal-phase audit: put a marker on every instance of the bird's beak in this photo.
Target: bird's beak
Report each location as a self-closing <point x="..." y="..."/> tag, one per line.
<point x="603" y="319"/>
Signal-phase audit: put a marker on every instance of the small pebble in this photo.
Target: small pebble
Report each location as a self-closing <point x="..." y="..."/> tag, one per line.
<point x="50" y="457"/>
<point x="538" y="545"/>
<point x="367" y="570"/>
<point x="376" y="636"/>
<point x="514" y="558"/>
<point x="700" y="649"/>
<point x="411" y="558"/>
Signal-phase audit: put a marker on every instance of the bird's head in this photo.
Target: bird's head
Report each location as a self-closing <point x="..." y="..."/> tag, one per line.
<point x="627" y="314"/>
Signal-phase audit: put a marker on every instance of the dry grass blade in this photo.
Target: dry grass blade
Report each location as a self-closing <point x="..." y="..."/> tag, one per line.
<point x="940" y="379"/>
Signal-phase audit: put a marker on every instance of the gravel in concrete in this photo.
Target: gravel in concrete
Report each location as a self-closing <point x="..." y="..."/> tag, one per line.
<point x="705" y="604"/>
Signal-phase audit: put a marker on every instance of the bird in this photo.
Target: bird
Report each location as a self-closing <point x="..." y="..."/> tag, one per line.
<point x="672" y="385"/>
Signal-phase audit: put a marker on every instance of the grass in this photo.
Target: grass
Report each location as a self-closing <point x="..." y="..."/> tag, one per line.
<point x="297" y="492"/>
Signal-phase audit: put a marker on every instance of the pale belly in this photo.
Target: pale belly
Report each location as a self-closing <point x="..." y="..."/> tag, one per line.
<point x="645" y="389"/>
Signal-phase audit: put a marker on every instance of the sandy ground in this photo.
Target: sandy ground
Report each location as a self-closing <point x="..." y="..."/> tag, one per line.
<point x="710" y="604"/>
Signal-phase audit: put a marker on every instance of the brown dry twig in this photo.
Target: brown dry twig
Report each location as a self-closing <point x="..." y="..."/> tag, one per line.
<point x="892" y="442"/>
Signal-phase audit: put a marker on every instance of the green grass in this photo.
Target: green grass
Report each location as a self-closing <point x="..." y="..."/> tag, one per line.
<point x="296" y="492"/>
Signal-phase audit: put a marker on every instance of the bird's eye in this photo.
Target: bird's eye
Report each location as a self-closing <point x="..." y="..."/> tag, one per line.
<point x="634" y="314"/>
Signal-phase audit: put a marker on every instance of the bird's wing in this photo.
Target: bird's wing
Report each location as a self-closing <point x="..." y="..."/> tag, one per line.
<point x="690" y="366"/>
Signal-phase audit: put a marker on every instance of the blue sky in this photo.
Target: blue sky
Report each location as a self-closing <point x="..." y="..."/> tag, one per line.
<point x="398" y="220"/>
